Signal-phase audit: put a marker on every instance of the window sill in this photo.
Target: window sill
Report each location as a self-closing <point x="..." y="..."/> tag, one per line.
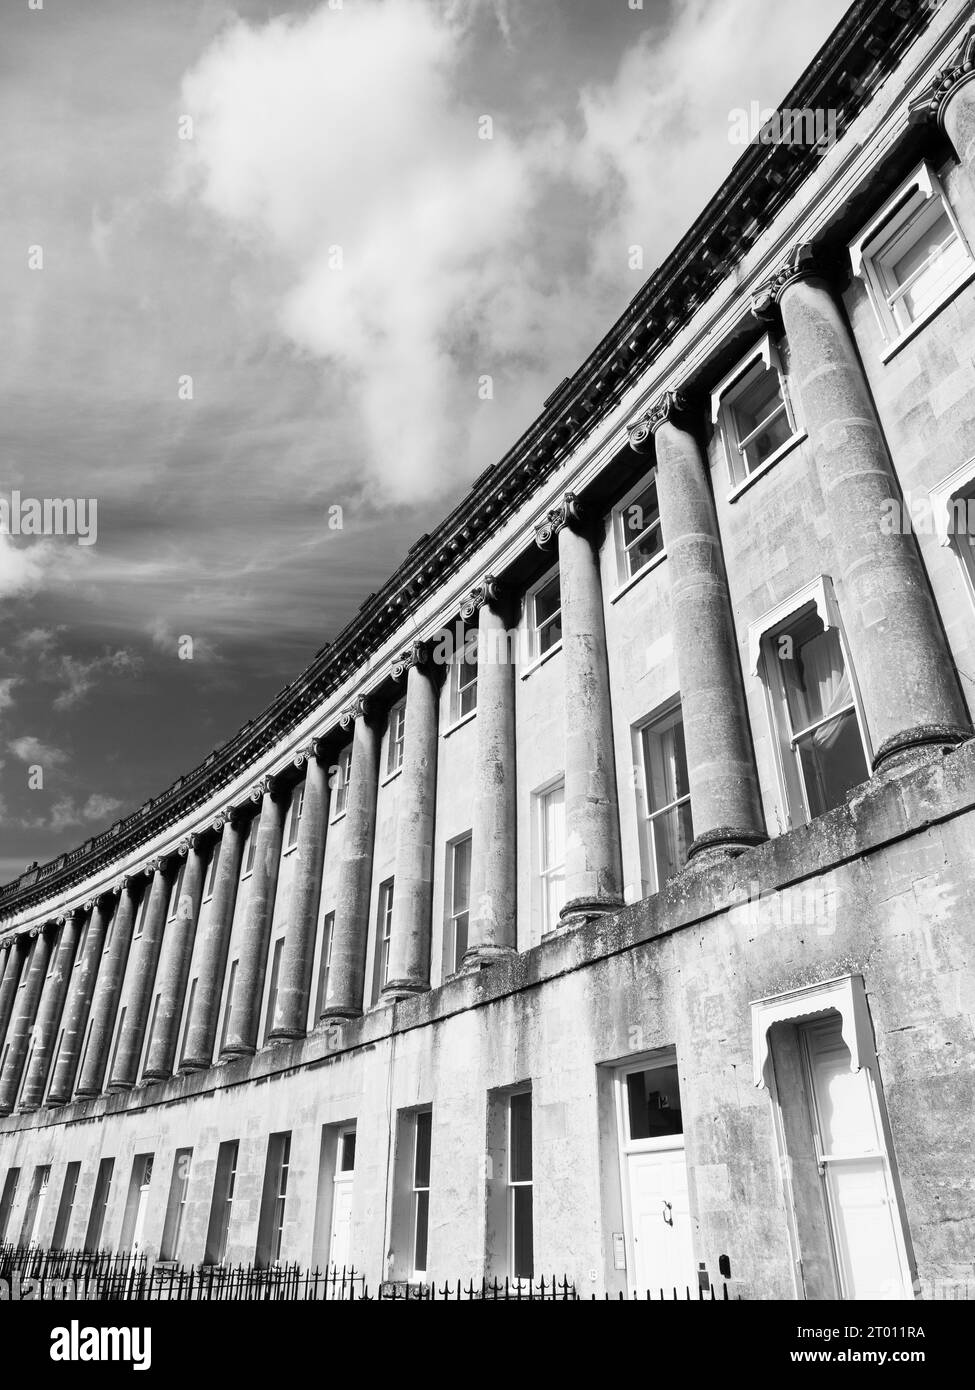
<point x="540" y="660"/>
<point x="769" y="464"/>
<point x="341" y="816"/>
<point x="894" y="346"/>
<point x="391" y="776"/>
<point x="289" y="849"/>
<point x="459" y="723"/>
<point x="634" y="579"/>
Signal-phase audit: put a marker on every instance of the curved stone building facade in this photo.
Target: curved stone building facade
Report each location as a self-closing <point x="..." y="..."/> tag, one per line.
<point x="599" y="901"/>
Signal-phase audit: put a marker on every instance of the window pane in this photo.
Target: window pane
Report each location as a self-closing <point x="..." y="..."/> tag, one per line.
<point x="420" y="1235"/>
<point x="673" y="833"/>
<point x="832" y="761"/>
<point x="347" y="1154"/>
<point x="548" y="600"/>
<point x="816" y="683"/>
<point x="461" y="924"/>
<point x="520" y="1158"/>
<point x="653" y="1103"/>
<point x="937" y="253"/>
<point x="523" y="1255"/>
<point x="461" y="876"/>
<point x="759" y="399"/>
<point x="666" y="762"/>
<point x="553" y="829"/>
<point x="421" y="1157"/>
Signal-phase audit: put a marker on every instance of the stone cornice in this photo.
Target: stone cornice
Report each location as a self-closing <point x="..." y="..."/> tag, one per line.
<point x="933" y="102"/>
<point x="865" y="47"/>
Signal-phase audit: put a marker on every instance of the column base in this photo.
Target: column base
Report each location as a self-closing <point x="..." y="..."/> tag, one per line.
<point x="234" y="1050"/>
<point x="336" y="1014"/>
<point x="396" y="990"/>
<point x="157" y="1074"/>
<point x="578" y="911"/>
<point x="114" y="1086"/>
<point x="909" y="749"/>
<point x="192" y="1064"/>
<point x="89" y="1094"/>
<point x="724" y="842"/>
<point x="482" y="957"/>
<point x="285" y="1035"/>
<point x="53" y="1102"/>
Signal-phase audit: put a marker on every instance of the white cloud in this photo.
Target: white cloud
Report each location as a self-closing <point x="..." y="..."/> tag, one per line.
<point x="32" y="750"/>
<point x="24" y="568"/>
<point x="352" y="129"/>
<point x="67" y="811"/>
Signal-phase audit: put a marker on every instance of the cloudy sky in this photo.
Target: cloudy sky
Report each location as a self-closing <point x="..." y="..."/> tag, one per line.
<point x="254" y="258"/>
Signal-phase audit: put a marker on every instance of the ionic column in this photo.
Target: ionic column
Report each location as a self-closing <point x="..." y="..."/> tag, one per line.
<point x="79" y="1002"/>
<point x="725" y="804"/>
<point x="245" y="1010"/>
<point x="49" y="1012"/>
<point x="493" y="930"/>
<point x="593" y="859"/>
<point x="174" y="963"/>
<point x="110" y="973"/>
<point x="23" y="1017"/>
<point x="346" y="979"/>
<point x="202" y="1027"/>
<point x="298" y="955"/>
<point x="907" y="682"/>
<point x="409" y="939"/>
<point x="140" y="979"/>
<point x="949" y="100"/>
<point x="14" y="949"/>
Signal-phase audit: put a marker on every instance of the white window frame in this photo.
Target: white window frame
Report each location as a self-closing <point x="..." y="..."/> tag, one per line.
<point x="419" y="1275"/>
<point x="450" y="915"/>
<point x="250" y="848"/>
<point x="545" y="873"/>
<point x="918" y="197"/>
<point x="819" y="596"/>
<point x="958" y="487"/>
<point x="624" y="576"/>
<point x="327" y="934"/>
<point x="384" y="931"/>
<point x="172" y="907"/>
<point x="846" y="996"/>
<point x="395" y="738"/>
<point x="723" y="398"/>
<point x="211" y="876"/>
<point x="295" y="807"/>
<point x="511" y="1184"/>
<point x="535" y="655"/>
<point x="457" y="691"/>
<point x="647" y="817"/>
<point x="341" y="779"/>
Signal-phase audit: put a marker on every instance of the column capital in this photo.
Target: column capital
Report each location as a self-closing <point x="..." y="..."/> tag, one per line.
<point x="665" y="410"/>
<point x="73" y="912"/>
<point x="186" y="844"/>
<point x="416" y="654"/>
<point x="489" y="592"/>
<point x="6" y="943"/>
<point x="267" y="785"/>
<point x="121" y="882"/>
<point x="153" y="866"/>
<point x="362" y="707"/>
<point x="567" y="513"/>
<point x="802" y="263"/>
<point x="932" y="103"/>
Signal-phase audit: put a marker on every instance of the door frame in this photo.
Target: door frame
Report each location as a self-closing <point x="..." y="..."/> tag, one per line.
<point x="884" y="1154"/>
<point x="648" y="1061"/>
<point x="340" y="1177"/>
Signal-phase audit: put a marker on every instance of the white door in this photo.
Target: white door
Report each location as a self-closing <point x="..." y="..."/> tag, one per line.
<point x="140" y="1218"/>
<point x="340" y="1247"/>
<point x="868" y="1238"/>
<point x="660" y="1221"/>
<point x="660" y="1253"/>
